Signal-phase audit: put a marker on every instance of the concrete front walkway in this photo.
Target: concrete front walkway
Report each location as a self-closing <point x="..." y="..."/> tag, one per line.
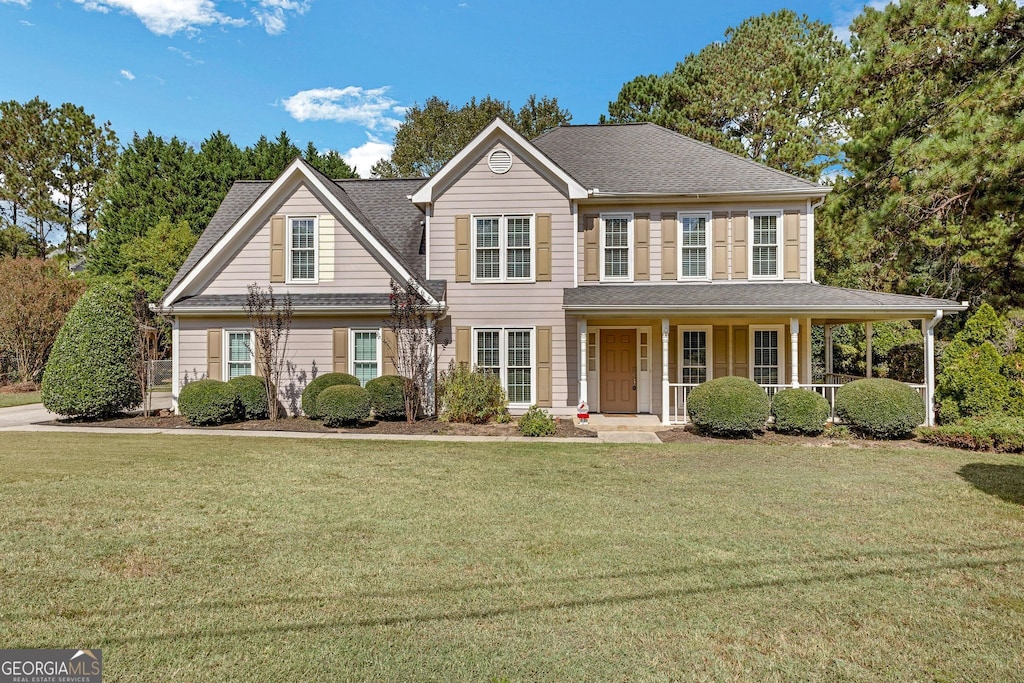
<point x="33" y="413"/>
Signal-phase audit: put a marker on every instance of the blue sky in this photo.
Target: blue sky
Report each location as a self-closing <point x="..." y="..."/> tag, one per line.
<point x="340" y="73"/>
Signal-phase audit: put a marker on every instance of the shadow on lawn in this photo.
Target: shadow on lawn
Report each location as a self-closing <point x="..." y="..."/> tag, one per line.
<point x="1002" y="481"/>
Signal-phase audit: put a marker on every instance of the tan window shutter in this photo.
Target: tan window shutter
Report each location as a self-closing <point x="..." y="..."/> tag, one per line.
<point x="739" y="247"/>
<point x="642" y="244"/>
<point x="740" y="357"/>
<point x="257" y="366"/>
<point x="668" y="246"/>
<point x="720" y="350"/>
<point x="463" y="346"/>
<point x="340" y="353"/>
<point x="543" y="247"/>
<point x="791" y="233"/>
<point x="591" y="248"/>
<point x="389" y="347"/>
<point x="720" y="245"/>
<point x="277" y="238"/>
<point x="463" y="260"/>
<point x="214" y="354"/>
<point x="543" y="398"/>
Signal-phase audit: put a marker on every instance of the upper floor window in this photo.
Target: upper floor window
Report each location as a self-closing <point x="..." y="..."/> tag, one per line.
<point x="764" y="244"/>
<point x="617" y="247"/>
<point x="694" y="253"/>
<point x="302" y="249"/>
<point x="503" y="248"/>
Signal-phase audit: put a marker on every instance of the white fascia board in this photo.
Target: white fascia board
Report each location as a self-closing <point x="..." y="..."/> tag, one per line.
<point x="425" y="195"/>
<point x="716" y="311"/>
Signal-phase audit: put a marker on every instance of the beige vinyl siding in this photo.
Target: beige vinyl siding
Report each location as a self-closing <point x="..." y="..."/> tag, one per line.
<point x="344" y="262"/>
<point x="523" y="189"/>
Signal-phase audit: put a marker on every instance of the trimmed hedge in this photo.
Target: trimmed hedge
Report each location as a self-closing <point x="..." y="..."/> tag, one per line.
<point x="387" y="397"/>
<point x="800" y="411"/>
<point x="208" y="402"/>
<point x="471" y="396"/>
<point x="880" y="408"/>
<point x="343" y="404"/>
<point x="91" y="369"/>
<point x="252" y="397"/>
<point x="313" y="389"/>
<point x="729" y="406"/>
<point x="999" y="433"/>
<point x="536" y="422"/>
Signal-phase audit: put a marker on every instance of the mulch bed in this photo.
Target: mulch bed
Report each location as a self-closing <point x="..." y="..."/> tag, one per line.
<point x="166" y="420"/>
<point x="684" y="435"/>
<point x="19" y="388"/>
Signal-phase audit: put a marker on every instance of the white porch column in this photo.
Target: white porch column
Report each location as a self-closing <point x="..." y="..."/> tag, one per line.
<point x="869" y="358"/>
<point x="175" y="362"/>
<point x="828" y="350"/>
<point x="928" y="332"/>
<point x="794" y="352"/>
<point x="664" y="370"/>
<point x="583" y="361"/>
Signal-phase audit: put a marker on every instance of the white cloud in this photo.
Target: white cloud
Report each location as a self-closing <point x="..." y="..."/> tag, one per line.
<point x="978" y="11"/>
<point x="23" y="3"/>
<point x="368" y="107"/>
<point x="127" y="75"/>
<point x="186" y="55"/>
<point x="271" y="14"/>
<point x="363" y="157"/>
<point x="845" y="14"/>
<point x="168" y="17"/>
<point x="26" y="23"/>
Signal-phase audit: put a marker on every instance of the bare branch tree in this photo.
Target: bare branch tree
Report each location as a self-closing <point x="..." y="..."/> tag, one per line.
<point x="271" y="320"/>
<point x="416" y="329"/>
<point x="147" y="346"/>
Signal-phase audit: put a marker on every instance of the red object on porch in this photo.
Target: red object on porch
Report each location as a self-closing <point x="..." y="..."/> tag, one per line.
<point x="583" y="412"/>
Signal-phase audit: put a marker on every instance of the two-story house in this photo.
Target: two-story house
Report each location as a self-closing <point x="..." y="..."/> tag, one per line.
<point x="620" y="264"/>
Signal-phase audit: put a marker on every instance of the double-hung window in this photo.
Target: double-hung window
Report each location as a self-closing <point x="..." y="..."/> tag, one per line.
<point x="764" y="244"/>
<point x="617" y="247"/>
<point x="508" y="353"/>
<point x="693" y="246"/>
<point x="302" y="249"/>
<point x="694" y="356"/>
<point x="366" y="355"/>
<point x="239" y="354"/>
<point x="766" y="359"/>
<point x="503" y="248"/>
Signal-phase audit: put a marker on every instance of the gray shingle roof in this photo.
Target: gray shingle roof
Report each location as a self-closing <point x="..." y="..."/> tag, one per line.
<point x="646" y="158"/>
<point x="803" y="296"/>
<point x="313" y="300"/>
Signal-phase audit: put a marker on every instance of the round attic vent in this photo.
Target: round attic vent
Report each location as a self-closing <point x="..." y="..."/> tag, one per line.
<point x="499" y="161"/>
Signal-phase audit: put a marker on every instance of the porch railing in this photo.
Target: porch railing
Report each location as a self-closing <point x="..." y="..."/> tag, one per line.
<point x="679" y="396"/>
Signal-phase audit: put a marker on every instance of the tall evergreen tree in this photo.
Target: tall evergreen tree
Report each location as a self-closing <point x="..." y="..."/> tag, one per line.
<point x="28" y="162"/>
<point x="330" y="163"/>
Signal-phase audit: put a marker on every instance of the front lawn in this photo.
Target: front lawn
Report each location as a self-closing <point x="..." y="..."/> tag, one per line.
<point x="9" y="400"/>
<point x="239" y="559"/>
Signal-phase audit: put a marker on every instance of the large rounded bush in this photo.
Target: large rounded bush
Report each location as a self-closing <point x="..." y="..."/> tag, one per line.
<point x="313" y="389"/>
<point x="387" y="397"/>
<point x="471" y="396"/>
<point x="800" y="411"/>
<point x="729" y="406"/>
<point x="252" y="397"/>
<point x="880" y="408"/>
<point x="91" y="369"/>
<point x="343" y="404"/>
<point x="208" y="402"/>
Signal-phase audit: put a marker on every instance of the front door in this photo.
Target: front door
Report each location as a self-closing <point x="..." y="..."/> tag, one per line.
<point x="618" y="371"/>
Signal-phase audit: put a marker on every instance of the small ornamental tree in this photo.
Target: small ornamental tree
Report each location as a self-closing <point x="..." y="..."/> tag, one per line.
<point x="271" y="320"/>
<point x="416" y="329"/>
<point x="91" y="370"/>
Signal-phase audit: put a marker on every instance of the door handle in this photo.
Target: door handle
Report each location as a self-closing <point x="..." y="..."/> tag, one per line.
<point x="634" y="379"/>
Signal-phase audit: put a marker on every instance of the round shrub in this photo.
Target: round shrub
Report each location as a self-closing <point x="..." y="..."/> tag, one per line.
<point x="91" y="369"/>
<point x="387" y="397"/>
<point x="313" y="389"/>
<point x="208" y="402"/>
<point x="252" y="397"/>
<point x="800" y="411"/>
<point x="343" y="404"/>
<point x="880" y="408"/>
<point x="729" y="406"/>
<point x="536" y="422"/>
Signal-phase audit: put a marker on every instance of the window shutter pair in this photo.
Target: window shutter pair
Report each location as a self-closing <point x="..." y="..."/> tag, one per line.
<point x="277" y="242"/>
<point x="720" y="245"/>
<point x="791" y="235"/>
<point x="668" y="246"/>
<point x="464" y="357"/>
<point x="591" y="227"/>
<point x="464" y="253"/>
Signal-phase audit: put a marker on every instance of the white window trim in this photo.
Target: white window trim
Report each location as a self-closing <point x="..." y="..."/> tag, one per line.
<point x="709" y="361"/>
<point x="288" y="251"/>
<point x="352" y="349"/>
<point x="226" y="352"/>
<point x="779" y="266"/>
<point x="503" y="357"/>
<point x="629" y="246"/>
<point x="781" y="329"/>
<point x="503" y="247"/>
<point x="707" y="246"/>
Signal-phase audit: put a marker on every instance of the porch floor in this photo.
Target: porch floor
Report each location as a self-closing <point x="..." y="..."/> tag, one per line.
<point x="622" y="423"/>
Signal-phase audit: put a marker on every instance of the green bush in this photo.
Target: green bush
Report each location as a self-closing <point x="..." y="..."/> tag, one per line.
<point x="536" y="422"/>
<point x="471" y="396"/>
<point x="880" y="408"/>
<point x="209" y="402"/>
<point x="387" y="397"/>
<point x="313" y="389"/>
<point x="800" y="411"/>
<point x="728" y="406"/>
<point x="252" y="397"/>
<point x="998" y="433"/>
<point x="343" y="404"/>
<point x="91" y="369"/>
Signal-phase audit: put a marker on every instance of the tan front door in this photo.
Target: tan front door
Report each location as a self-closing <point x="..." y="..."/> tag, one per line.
<point x="618" y="371"/>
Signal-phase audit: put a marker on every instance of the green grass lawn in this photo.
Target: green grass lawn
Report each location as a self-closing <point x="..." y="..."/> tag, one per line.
<point x="8" y="400"/>
<point x="199" y="558"/>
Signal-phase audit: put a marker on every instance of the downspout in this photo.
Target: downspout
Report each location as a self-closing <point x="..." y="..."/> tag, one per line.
<point x="810" y="237"/>
<point x="929" y="368"/>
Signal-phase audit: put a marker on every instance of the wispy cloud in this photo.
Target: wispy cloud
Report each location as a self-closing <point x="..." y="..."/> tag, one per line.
<point x="186" y="55"/>
<point x="272" y="14"/>
<point x="127" y="75"/>
<point x="23" y="3"/>
<point x="23" y="22"/>
<point x="363" y="157"/>
<point x="168" y="17"/>
<point x="368" y="107"/>
<point x="844" y="13"/>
